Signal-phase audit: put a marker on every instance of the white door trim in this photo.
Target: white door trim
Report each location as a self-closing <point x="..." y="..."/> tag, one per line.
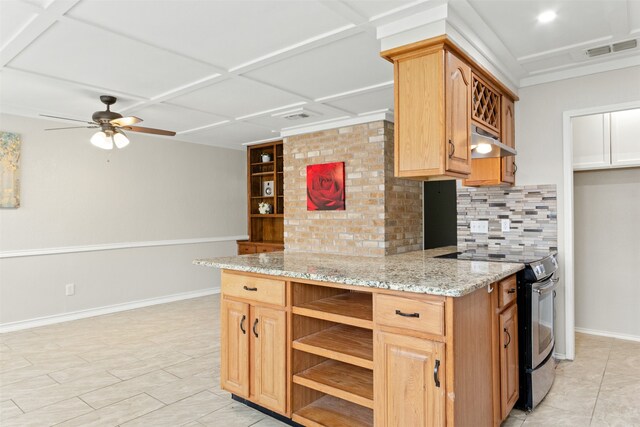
<point x="567" y="167"/>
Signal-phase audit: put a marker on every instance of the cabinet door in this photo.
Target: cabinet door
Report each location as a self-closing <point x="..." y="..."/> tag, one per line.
<point x="508" y="138"/>
<point x="419" y="129"/>
<point x="509" y="376"/>
<point x="458" y="115"/>
<point x="591" y="141"/>
<point x="625" y="138"/>
<point x="234" y="354"/>
<point x="269" y="334"/>
<point x="405" y="388"/>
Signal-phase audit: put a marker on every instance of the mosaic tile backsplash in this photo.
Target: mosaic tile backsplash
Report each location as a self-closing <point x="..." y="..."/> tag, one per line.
<point x="532" y="211"/>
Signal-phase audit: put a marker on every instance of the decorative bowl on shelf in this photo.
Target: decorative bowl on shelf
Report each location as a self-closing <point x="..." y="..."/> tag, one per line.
<point x="265" y="157"/>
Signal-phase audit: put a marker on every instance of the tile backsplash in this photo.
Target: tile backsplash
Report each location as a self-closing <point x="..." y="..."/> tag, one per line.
<point x="532" y="211"/>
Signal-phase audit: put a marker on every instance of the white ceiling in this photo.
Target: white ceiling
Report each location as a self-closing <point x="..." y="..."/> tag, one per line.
<point x="220" y="72"/>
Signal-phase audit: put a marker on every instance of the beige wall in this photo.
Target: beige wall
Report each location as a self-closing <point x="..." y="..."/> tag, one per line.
<point x="382" y="216"/>
<point x="74" y="194"/>
<point x="539" y="137"/>
<point x="607" y="250"/>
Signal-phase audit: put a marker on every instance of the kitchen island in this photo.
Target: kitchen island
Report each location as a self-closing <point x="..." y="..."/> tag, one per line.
<point x="403" y="340"/>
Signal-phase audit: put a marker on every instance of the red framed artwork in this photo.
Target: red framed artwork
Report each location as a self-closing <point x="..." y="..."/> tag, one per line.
<point x="325" y="187"/>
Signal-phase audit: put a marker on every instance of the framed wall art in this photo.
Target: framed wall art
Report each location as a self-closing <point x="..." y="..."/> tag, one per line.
<point x="325" y="187"/>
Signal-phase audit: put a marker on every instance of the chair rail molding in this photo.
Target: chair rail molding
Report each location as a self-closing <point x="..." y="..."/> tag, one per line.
<point x="116" y="246"/>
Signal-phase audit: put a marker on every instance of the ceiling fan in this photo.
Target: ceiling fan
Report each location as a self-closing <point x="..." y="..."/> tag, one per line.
<point x="112" y="126"/>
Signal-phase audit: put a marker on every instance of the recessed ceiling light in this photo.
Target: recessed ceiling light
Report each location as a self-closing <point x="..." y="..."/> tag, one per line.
<point x="547" y="16"/>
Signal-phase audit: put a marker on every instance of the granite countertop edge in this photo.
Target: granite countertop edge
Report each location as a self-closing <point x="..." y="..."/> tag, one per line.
<point x="458" y="291"/>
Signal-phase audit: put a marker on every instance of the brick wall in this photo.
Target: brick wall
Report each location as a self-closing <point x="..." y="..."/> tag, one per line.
<point x="383" y="215"/>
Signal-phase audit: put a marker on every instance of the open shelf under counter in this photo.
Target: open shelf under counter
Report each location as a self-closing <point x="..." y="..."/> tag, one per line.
<point x="341" y="380"/>
<point x="349" y="308"/>
<point x="331" y="411"/>
<point x="340" y="342"/>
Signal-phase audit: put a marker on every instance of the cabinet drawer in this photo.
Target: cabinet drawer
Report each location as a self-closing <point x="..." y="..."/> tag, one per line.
<point x="507" y="291"/>
<point x="244" y="248"/>
<point x="258" y="289"/>
<point x="422" y="316"/>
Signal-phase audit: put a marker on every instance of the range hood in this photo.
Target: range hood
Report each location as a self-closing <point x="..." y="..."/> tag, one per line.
<point x="486" y="146"/>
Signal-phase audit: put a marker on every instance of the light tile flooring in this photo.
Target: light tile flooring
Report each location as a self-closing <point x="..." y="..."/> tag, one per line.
<point x="158" y="366"/>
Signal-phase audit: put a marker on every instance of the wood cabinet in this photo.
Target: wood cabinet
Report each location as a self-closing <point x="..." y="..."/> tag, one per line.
<point x="606" y="140"/>
<point x="500" y="170"/>
<point x="506" y="374"/>
<point x="432" y="121"/>
<point x="409" y="381"/>
<point x="335" y="355"/>
<point x="264" y="185"/>
<point x="509" y="373"/>
<point x="253" y="360"/>
<point x="439" y="92"/>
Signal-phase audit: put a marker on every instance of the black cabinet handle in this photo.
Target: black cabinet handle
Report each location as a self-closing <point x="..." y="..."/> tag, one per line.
<point x="399" y="313"/>
<point x="453" y="149"/>
<point x="511" y="291"/>
<point x="244" y="331"/>
<point x="508" y="336"/>
<point x="246" y="288"/>
<point x="436" y="373"/>
<point x="254" y="328"/>
<point x="515" y="167"/>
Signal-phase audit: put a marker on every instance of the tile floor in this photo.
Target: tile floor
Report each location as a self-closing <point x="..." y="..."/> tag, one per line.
<point x="158" y="366"/>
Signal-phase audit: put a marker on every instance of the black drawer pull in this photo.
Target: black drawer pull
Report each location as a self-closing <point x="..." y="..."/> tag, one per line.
<point x="511" y="291"/>
<point x="399" y="313"/>
<point x="244" y="331"/>
<point x="436" y="373"/>
<point x="246" y="288"/>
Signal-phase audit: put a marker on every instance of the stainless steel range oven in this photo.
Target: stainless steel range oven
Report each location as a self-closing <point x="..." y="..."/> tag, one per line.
<point x="536" y="315"/>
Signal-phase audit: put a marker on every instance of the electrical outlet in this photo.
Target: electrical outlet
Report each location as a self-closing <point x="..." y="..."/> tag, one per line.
<point x="506" y="225"/>
<point x="70" y="289"/>
<point x="480" y="227"/>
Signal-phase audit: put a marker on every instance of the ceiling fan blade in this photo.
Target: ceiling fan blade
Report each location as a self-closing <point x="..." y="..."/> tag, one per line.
<point x="66" y="118"/>
<point x="126" y="121"/>
<point x="149" y="130"/>
<point x="75" y="127"/>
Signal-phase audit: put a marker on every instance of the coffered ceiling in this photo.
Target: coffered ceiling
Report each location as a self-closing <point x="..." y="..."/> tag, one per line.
<point x="226" y="73"/>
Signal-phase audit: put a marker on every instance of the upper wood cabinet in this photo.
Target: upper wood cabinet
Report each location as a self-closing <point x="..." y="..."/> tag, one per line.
<point x="439" y="93"/>
<point x="606" y="140"/>
<point x="432" y="105"/>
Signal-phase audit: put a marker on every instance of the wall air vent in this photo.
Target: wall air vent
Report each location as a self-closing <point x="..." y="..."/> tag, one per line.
<point x="629" y="44"/>
<point x="612" y="48"/>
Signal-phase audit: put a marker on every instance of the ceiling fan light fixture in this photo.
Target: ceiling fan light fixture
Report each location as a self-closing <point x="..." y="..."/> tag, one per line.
<point x="101" y="140"/>
<point x="120" y="139"/>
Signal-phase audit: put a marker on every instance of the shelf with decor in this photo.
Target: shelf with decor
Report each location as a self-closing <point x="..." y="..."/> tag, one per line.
<point x="265" y="196"/>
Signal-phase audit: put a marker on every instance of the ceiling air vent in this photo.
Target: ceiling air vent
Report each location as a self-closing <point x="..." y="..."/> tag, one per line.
<point x="616" y="47"/>
<point x="597" y="51"/>
<point x="629" y="44"/>
<point x="296" y="116"/>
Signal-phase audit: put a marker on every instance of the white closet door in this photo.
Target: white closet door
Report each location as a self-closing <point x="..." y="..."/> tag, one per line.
<point x="591" y="142"/>
<point x="625" y="138"/>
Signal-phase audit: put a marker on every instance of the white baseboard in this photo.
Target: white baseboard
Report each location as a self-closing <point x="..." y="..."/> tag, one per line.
<point x="99" y="311"/>
<point x="626" y="337"/>
<point x="559" y="356"/>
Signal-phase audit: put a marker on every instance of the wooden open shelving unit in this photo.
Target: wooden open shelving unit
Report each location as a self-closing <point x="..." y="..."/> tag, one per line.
<point x="266" y="231"/>
<point x="332" y="356"/>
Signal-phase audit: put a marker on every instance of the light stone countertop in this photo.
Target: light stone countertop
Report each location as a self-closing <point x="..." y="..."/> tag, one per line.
<point x="416" y="272"/>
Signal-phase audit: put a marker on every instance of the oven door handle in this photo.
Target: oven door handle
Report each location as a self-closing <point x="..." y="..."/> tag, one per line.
<point x="553" y="284"/>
